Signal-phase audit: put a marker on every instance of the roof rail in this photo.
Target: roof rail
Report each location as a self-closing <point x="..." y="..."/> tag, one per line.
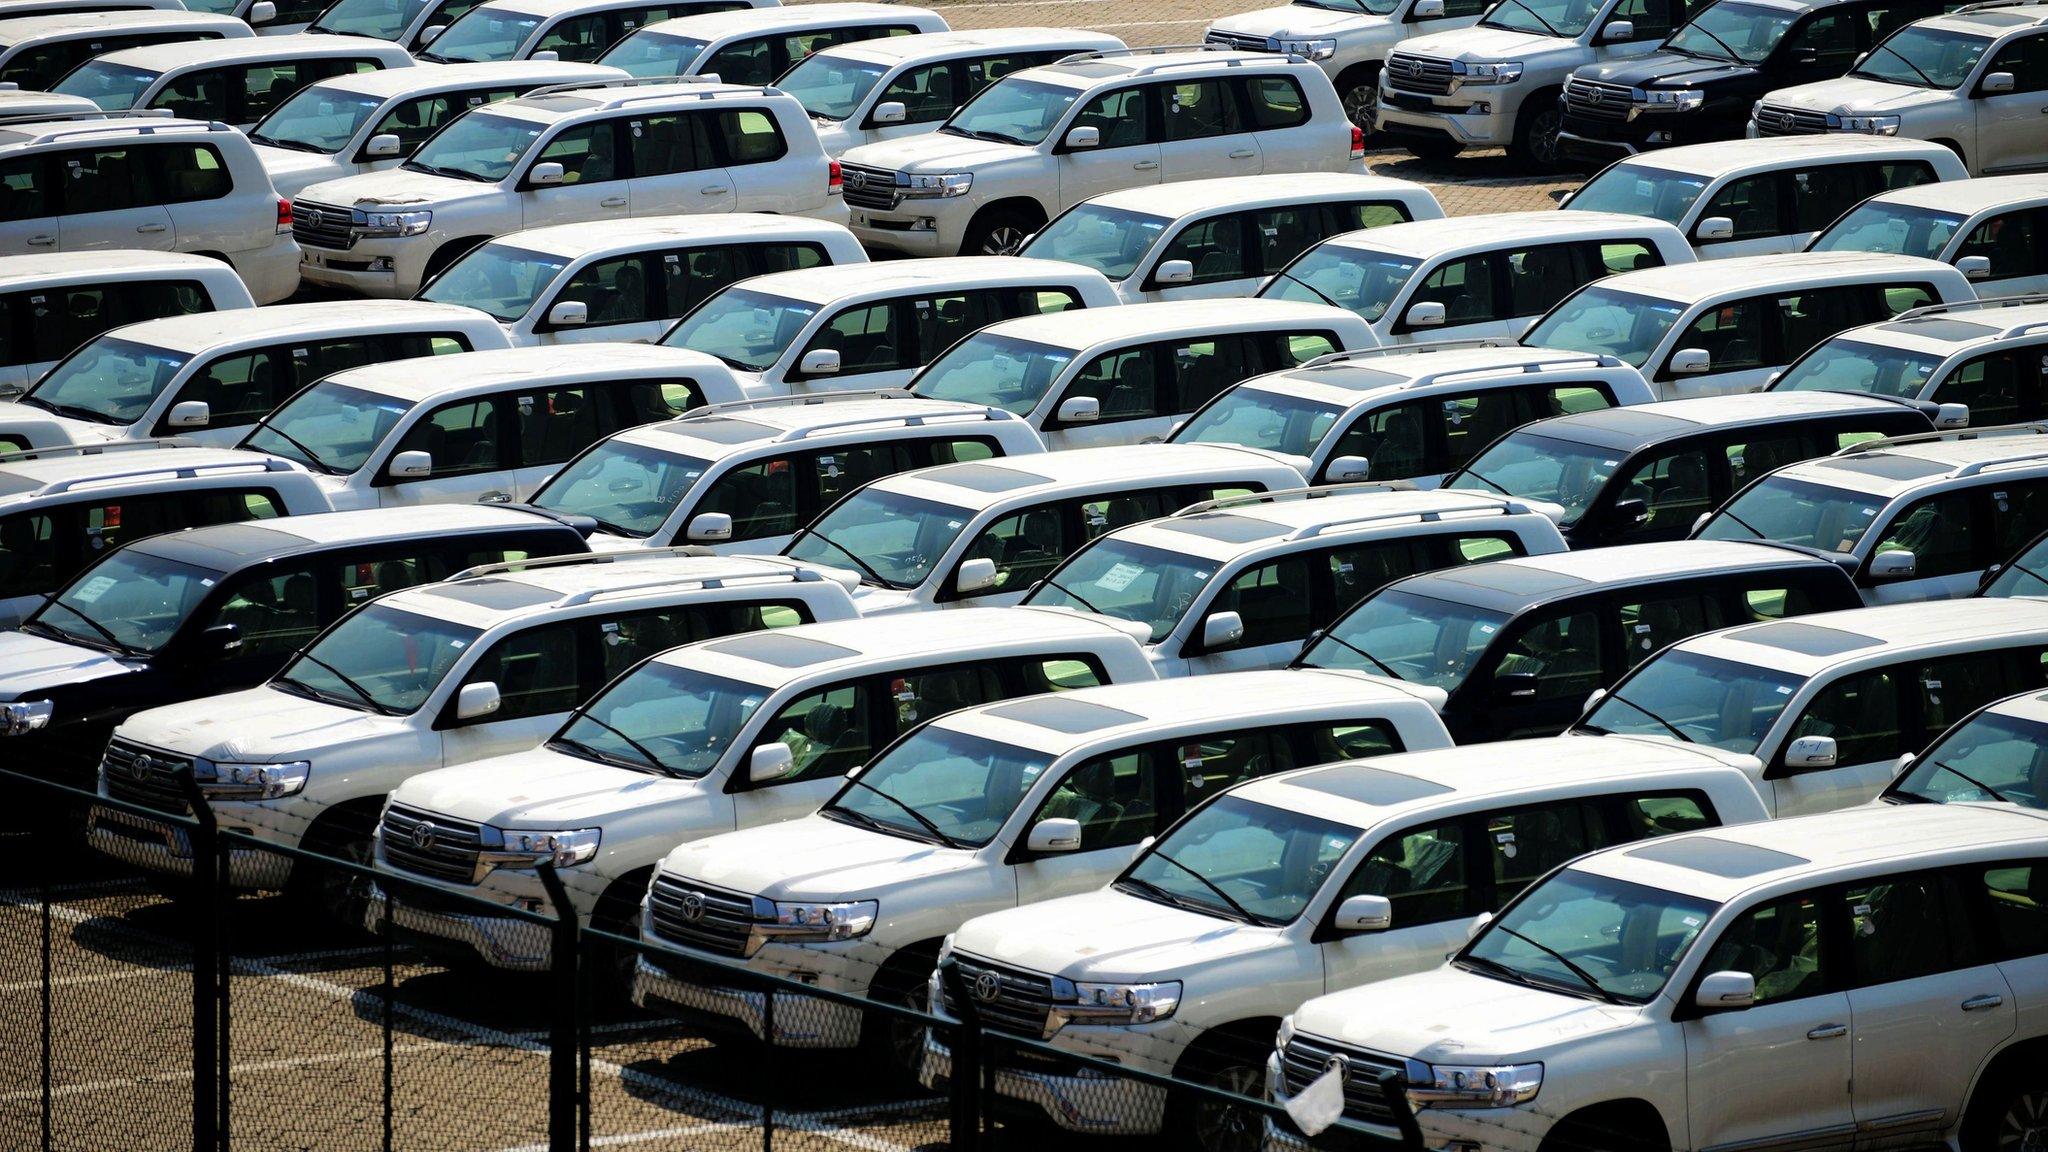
<point x="722" y="408"/>
<point x="1989" y="432"/>
<point x="1483" y="505"/>
<point x="1172" y="49"/>
<point x="1308" y="492"/>
<point x="104" y="125"/>
<point x="503" y="566"/>
<point x="55" y="450"/>
<point x="186" y="472"/>
<point x="1403" y="350"/>
<point x="1979" y="467"/>
<point x="721" y="90"/>
<point x="1984" y="5"/>
<point x="1973" y="305"/>
<point x="916" y="420"/>
<point x="1569" y="362"/>
<point x="622" y="82"/>
<point x="777" y="569"/>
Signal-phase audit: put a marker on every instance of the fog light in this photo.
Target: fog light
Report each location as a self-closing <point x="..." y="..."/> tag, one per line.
<point x="381" y="264"/>
<point x="1660" y="137"/>
<point x="927" y="224"/>
<point x="1480" y="109"/>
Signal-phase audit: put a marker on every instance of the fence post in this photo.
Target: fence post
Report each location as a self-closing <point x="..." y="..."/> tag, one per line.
<point x="390" y="1009"/>
<point x="206" y="1049"/>
<point x="768" y="1097"/>
<point x="964" y="1087"/>
<point x="564" y="1025"/>
<point x="43" y="870"/>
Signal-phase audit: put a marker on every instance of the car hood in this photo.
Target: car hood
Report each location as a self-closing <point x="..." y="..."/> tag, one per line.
<point x="1665" y="70"/>
<point x="396" y="187"/>
<point x="869" y="600"/>
<point x="813" y="858"/>
<point x="539" y="788"/>
<point x="1295" y="21"/>
<point x="1108" y="935"/>
<point x="1468" y="1018"/>
<point x="935" y="152"/>
<point x="258" y="724"/>
<point x="32" y="666"/>
<point x="1478" y="44"/>
<point x="291" y="171"/>
<point x="836" y="135"/>
<point x="45" y="428"/>
<point x="1855" y="95"/>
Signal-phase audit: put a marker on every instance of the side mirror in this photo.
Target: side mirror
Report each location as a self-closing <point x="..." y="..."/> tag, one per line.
<point x="413" y="465"/>
<point x="1811" y="752"/>
<point x="769" y="763"/>
<point x="1700" y="523"/>
<point x="221" y="639"/>
<point x="1364" y="914"/>
<point x="569" y="314"/>
<point x="190" y="414"/>
<point x="819" y="362"/>
<point x="1617" y="31"/>
<point x="1427" y="10"/>
<point x="1221" y="630"/>
<point x="383" y="144"/>
<point x="547" y="56"/>
<point x="709" y="527"/>
<point x="1561" y="196"/>
<point x="1345" y="469"/>
<point x="545" y="175"/>
<point x="1079" y="410"/>
<point x="431" y="31"/>
<point x="1714" y="228"/>
<point x="1628" y="513"/>
<point x="477" y="700"/>
<point x="974" y="574"/>
<point x="1514" y="685"/>
<point x="1086" y="136"/>
<point x="1593" y="700"/>
<point x="1479" y="922"/>
<point x="1425" y="314"/>
<point x="1174" y="272"/>
<point x="1974" y="267"/>
<point x="1898" y="564"/>
<point x="1905" y="764"/>
<point x="1951" y="415"/>
<point x="1689" y="362"/>
<point x="890" y="112"/>
<point x="262" y="12"/>
<point x="1996" y="83"/>
<point x="1054" y="835"/>
<point x="1722" y="991"/>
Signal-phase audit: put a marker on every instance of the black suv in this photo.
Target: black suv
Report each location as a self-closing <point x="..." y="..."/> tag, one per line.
<point x="1700" y="84"/>
<point x="209" y="610"/>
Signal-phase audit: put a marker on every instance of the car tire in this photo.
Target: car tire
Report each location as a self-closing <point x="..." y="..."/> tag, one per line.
<point x="336" y="897"/>
<point x="1536" y="137"/>
<point x="2009" y="1109"/>
<point x="893" y="1044"/>
<point x="1001" y="232"/>
<point x="1359" y="90"/>
<point x="1200" y="1121"/>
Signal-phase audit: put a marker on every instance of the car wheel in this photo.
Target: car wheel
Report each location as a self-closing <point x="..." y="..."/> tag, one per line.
<point x="340" y="896"/>
<point x="1215" y="1125"/>
<point x="1536" y="138"/>
<point x="1361" y="100"/>
<point x="2009" y="1112"/>
<point x="1001" y="234"/>
<point x="895" y="1042"/>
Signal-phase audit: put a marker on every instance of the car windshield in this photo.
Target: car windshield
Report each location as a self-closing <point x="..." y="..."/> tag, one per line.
<point x="498" y="279"/>
<point x="2023" y="575"/>
<point x="482" y="34"/>
<point x="1796" y="512"/>
<point x="1703" y="699"/>
<point x="476" y="146"/>
<point x="682" y="718"/>
<point x="1256" y="418"/>
<point x="379" y="19"/>
<point x="748" y="330"/>
<point x="1113" y="577"/>
<point x="109" y="381"/>
<point x="1000" y="371"/>
<point x="332" y="427"/>
<point x="1595" y="319"/>
<point x="884" y="535"/>
<point x="316" y="119"/>
<point x="381" y="658"/>
<point x="1747" y="31"/>
<point x="831" y="87"/>
<point x="1892" y="229"/>
<point x="1989" y="758"/>
<point x="1626" y="938"/>
<point x="629" y="489"/>
<point x="1924" y="57"/>
<point x="114" y="87"/>
<point x="965" y="786"/>
<point x="1269" y="861"/>
<point x="1534" y="467"/>
<point x="1109" y="240"/>
<point x="1370" y="7"/>
<point x="138" y="599"/>
<point x="1362" y="281"/>
<point x="1640" y="190"/>
<point x="1543" y="17"/>
<point x="1419" y="639"/>
<point x="1845" y="365"/>
<point x="1013" y="111"/>
<point x="649" y="54"/>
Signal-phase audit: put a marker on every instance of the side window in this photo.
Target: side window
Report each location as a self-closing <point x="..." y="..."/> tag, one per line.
<point x="1212" y="764"/>
<point x="2019" y="512"/>
<point x="1527" y="842"/>
<point x="1913" y="173"/>
<point x="2027" y="59"/>
<point x="1773" y="604"/>
<point x="920" y="696"/>
<point x="1120" y="116"/>
<point x="1198" y="110"/>
<point x="1561" y="652"/>
<point x="941" y="320"/>
<point x="748" y="61"/>
<point x="1364" y="214"/>
<point x="556" y="423"/>
<point x="1025" y="547"/>
<point x="2016" y="243"/>
<point x="1359" y="568"/>
<point x="1826" y="46"/>
<point x="1113" y="512"/>
<point x="462" y="437"/>
<point x="1753" y="458"/>
<point x="535" y="671"/>
<point x="1281" y="234"/>
<point x="1861" y="713"/>
<point x="1292" y="349"/>
<point x="367" y="579"/>
<point x="1807" y="318"/>
<point x="578" y="39"/>
<point x="1473" y="421"/>
<point x="867" y="337"/>
<point x="1951" y="687"/>
<point x="129" y="518"/>
<point x="1903" y="927"/>
<point x="105" y="180"/>
<point x="1344" y="740"/>
<point x="1674" y="490"/>
<point x="615" y="291"/>
<point x="1035" y="302"/>
<point x="241" y="389"/>
<point x="750" y="136"/>
<point x="1216" y="249"/>
<point x="1124" y="383"/>
<point x="1269" y="599"/>
<point x="26" y="189"/>
<point x="1058" y="674"/>
<point x="1650" y="623"/>
<point x="2015" y="898"/>
<point x="624" y="642"/>
<point x="47" y="325"/>
<point x="1477" y="549"/>
<point x="1465" y="289"/>
<point x="1652" y="18"/>
<point x="1751" y="203"/>
<point x="200" y="95"/>
<point x="760" y="498"/>
<point x="786" y="257"/>
<point x="231" y="506"/>
<point x="636" y="402"/>
<point x="1992" y="384"/>
<point x="29" y="559"/>
<point x="273" y="615"/>
<point x="1200" y="369"/>
<point x="586" y="152"/>
<point x="663" y="145"/>
<point x="1936" y="531"/>
<point x="827" y="732"/>
<point x="927" y="94"/>
<point x="1568" y="399"/>
<point x="185" y="173"/>
<point x="1395" y="438"/>
<point x="1114" y="797"/>
<point x="841" y="470"/>
<point x="1421" y="873"/>
<point x="414" y="120"/>
<point x="1541" y="276"/>
<point x="1778" y="944"/>
<point x="1606" y="257"/>
<point x="265" y="86"/>
<point x="1647" y="817"/>
<point x="962" y="451"/>
<point x="1820" y="194"/>
<point x="1277" y="102"/>
<point x="1732" y="335"/>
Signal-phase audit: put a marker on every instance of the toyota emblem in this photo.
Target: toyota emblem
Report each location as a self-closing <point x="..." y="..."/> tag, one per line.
<point x="141" y="767"/>
<point x="987" y="987"/>
<point x="312" y="219"/>
<point x="423" y="835"/>
<point x="693" y="906"/>
<point x="1341" y="1065"/>
<point x="1594" y="96"/>
<point x="854" y="179"/>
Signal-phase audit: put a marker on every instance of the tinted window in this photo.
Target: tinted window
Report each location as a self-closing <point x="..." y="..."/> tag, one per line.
<point x="1276" y="102"/>
<point x="1216" y="249"/>
<point x="1561" y="652"/>
<point x="272" y="614"/>
<point x="1421" y="873"/>
<point x="1903" y="927"/>
<point x="1464" y="287"/>
<point x="749" y="136"/>
<point x="535" y="671"/>
<point x="463" y="437"/>
<point x="25" y="189"/>
<point x="1198" y="109"/>
<point x="1861" y="713"/>
<point x="1115" y="799"/>
<point x="828" y="732"/>
<point x="1119" y="116"/>
<point x="2016" y="243"/>
<point x="46" y="324"/>
<point x="1778" y="944"/>
<point x="586" y="152"/>
<point x="667" y="144"/>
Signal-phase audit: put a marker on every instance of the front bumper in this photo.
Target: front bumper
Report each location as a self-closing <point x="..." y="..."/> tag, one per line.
<point x="508" y="942"/>
<point x="391" y="267"/>
<point x="166" y="848"/>
<point x="1080" y="1101"/>
<point x="1458" y="117"/>
<point x="908" y="230"/>
<point x="1476" y="1130"/>
<point x="800" y="1021"/>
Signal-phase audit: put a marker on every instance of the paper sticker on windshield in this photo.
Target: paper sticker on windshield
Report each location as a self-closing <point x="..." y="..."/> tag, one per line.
<point x="1784" y="691"/>
<point x="1120" y="576"/>
<point x="94" y="588"/>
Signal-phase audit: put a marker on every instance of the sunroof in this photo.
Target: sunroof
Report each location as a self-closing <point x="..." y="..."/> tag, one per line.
<point x="984" y="477"/>
<point x="1064" y="714"/>
<point x="722" y="430"/>
<point x="1717" y="857"/>
<point x="497" y="595"/>
<point x="1221" y="526"/>
<point x="1363" y="785"/>
<point x="1941" y="328"/>
<point x="1889" y="466"/>
<point x="1805" y="639"/>
<point x="781" y="650"/>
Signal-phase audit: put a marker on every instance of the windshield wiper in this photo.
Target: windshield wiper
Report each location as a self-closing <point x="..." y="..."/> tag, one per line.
<point x="1668" y="725"/>
<point x="349" y="682"/>
<point x="843" y="550"/>
<point x="312" y="458"/>
<point x="1533" y="15"/>
<point x="292" y="145"/>
<point x="96" y="626"/>
<point x="914" y="814"/>
<point x="1753" y="530"/>
<point x="1312" y="288"/>
<point x="1894" y="54"/>
<point x="1085" y="602"/>
<point x="1584" y="977"/>
<point x="642" y="750"/>
<point x="1734" y="57"/>
<point x="1973" y="782"/>
<point x="1243" y="913"/>
<point x="1481" y="479"/>
<point x="1378" y="663"/>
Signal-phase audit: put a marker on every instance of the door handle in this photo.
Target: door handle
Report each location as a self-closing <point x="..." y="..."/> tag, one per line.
<point x="1828" y="1032"/>
<point x="612" y="202"/>
<point x="713" y="189"/>
<point x="495" y="498"/>
<point x="1243" y="154"/>
<point x="151" y="228"/>
<point x="1146" y="165"/>
<point x="42" y="241"/>
<point x="1980" y="1003"/>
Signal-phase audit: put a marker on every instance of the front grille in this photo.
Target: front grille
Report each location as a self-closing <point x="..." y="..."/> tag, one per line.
<point x="146" y="777"/>
<point x="1595" y="100"/>
<point x="1009" y="999"/>
<point x="322" y="226"/>
<point x="697" y="916"/>
<point x="1304" y="1060"/>
<point x="866" y="187"/>
<point x="1773" y="120"/>
<point x="1418" y="74"/>
<point x="431" y="845"/>
<point x="1236" y="40"/>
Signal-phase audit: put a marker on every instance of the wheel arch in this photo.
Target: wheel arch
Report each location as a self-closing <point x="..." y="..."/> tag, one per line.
<point x="1628" y="1124"/>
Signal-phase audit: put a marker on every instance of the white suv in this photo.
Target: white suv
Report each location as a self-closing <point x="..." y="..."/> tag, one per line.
<point x="234" y="82"/>
<point x="578" y="30"/>
<point x="1972" y="81"/>
<point x="1039" y="140"/>
<point x="757" y="46"/>
<point x="1991" y="755"/>
<point x="598" y="153"/>
<point x="1349" y="39"/>
<point x="58" y="301"/>
<point x="1973" y="363"/>
<point x="143" y="182"/>
<point x="36" y="51"/>
<point x="1994" y="229"/>
<point x="1238" y="585"/>
<point x="1712" y="990"/>
<point x="1219" y="927"/>
<point x="1059" y="791"/>
<point x="710" y="737"/>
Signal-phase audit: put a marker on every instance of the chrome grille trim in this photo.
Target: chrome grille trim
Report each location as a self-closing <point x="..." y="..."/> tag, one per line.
<point x="449" y="853"/>
<point x="702" y="917"/>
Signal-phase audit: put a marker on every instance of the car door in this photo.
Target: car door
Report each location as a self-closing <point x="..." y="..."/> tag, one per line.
<point x="1026" y="546"/>
<point x="594" y="177"/>
<point x="556" y="421"/>
<point x="928" y="94"/>
<point x="473" y="450"/>
<point x="2002" y="387"/>
<point x="192" y="181"/>
<point x="675" y="168"/>
<point x="1549" y="662"/>
<point x="1942" y="534"/>
<point x="1119" y="799"/>
<point x="274" y="610"/>
<point x="540" y="673"/>
<point x="1467" y="287"/>
<point x="1203" y="133"/>
<point x="1863" y="712"/>
<point x="829" y="731"/>
<point x="2016" y="243"/>
<point x="2012" y="127"/>
<point x="30" y="199"/>
<point x="1127" y="155"/>
<point x="1272" y="600"/>
<point x="748" y="142"/>
<point x="1220" y="254"/>
<point x="108" y="201"/>
<point x="625" y="298"/>
<point x="1427" y="873"/>
<point x="1753" y="207"/>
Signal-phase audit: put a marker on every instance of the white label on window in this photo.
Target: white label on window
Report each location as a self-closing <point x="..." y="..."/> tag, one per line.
<point x="1120" y="576"/>
<point x="1784" y="691"/>
<point x="94" y="588"/>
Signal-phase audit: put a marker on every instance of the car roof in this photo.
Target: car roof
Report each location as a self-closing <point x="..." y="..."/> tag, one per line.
<point x="828" y="282"/>
<point x="388" y="82"/>
<point x="85" y="129"/>
<point x="1188" y="197"/>
<point x="16" y="29"/>
<point x="1944" y="329"/>
<point x="160" y="465"/>
<point x="718" y="430"/>
<point x="553" y="106"/>
<point x="1181" y="60"/>
<point x="202" y="330"/>
<point x="1970" y="196"/>
<point x="1236" y="527"/>
<point x="1811" y="644"/>
<point x="1081" y="328"/>
<point x="1730" y="157"/>
<point x="1639" y="424"/>
<point x="1692" y="283"/>
<point x="227" y="546"/>
<point x="744" y="21"/>
<point x="93" y="266"/>
<point x="985" y="483"/>
<point x="1515" y="585"/>
<point x="1993" y="22"/>
<point x="1429" y="237"/>
<point x="2026" y="705"/>
<point x="1359" y="377"/>
<point x="192" y="53"/>
<point x="15" y="104"/>
<point x="576" y="240"/>
<point x="1891" y="468"/>
<point x="543" y="589"/>
<point x="960" y="41"/>
<point x="422" y="378"/>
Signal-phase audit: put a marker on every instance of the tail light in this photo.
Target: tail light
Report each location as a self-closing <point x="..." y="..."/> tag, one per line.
<point x="284" y="215"/>
<point x="834" y="180"/>
<point x="1357" y="142"/>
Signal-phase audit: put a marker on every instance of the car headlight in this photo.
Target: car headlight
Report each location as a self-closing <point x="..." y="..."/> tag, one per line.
<point x="809" y="922"/>
<point x="393" y="223"/>
<point x="26" y="716"/>
<point x="1478" y="1085"/>
<point x="527" y="847"/>
<point x="1286" y="1035"/>
<point x="946" y="949"/>
<point x="1307" y="49"/>
<point x="939" y="184"/>
<point x="1492" y="72"/>
<point x="1673" y="99"/>
<point x="1873" y="125"/>
<point x="1085" y="1003"/>
<point x="231" y="780"/>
